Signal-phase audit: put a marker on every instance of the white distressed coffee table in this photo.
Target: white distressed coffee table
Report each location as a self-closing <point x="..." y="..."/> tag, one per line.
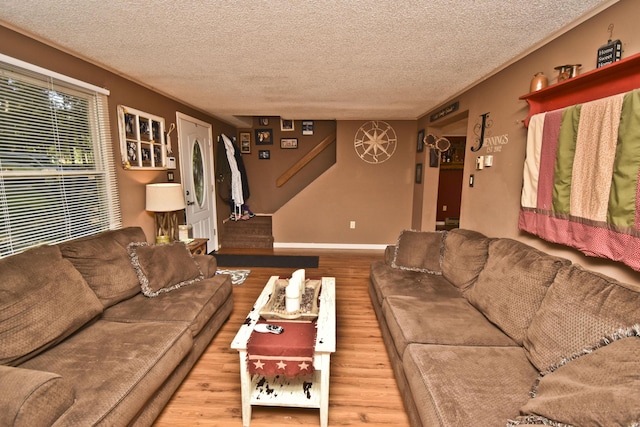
<point x="291" y="393"/>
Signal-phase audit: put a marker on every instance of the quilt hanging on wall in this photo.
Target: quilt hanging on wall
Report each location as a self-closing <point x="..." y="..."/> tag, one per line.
<point x="581" y="177"/>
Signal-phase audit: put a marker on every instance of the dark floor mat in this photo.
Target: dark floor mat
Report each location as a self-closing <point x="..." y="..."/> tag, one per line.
<point x="286" y="261"/>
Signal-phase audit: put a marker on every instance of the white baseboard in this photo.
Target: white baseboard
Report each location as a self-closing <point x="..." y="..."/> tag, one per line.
<point x="285" y="245"/>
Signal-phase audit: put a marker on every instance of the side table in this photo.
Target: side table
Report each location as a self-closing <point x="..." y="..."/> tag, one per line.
<point x="198" y="246"/>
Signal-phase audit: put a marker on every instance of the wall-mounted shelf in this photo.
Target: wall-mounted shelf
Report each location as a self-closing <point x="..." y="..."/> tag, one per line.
<point x="453" y="158"/>
<point x="452" y="165"/>
<point x="618" y="77"/>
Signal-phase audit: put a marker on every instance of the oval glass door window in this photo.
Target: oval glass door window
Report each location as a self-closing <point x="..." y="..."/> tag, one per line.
<point x="198" y="173"/>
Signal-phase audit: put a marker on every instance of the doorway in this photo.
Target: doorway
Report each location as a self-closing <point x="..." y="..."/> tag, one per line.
<point x="197" y="171"/>
<point x="451" y="180"/>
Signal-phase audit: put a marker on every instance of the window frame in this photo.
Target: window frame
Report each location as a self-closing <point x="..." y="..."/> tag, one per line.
<point x="74" y="198"/>
<point x="142" y="139"/>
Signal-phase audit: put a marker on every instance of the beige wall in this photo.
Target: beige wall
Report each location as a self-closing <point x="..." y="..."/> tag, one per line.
<point x="131" y="184"/>
<point x="382" y="199"/>
<point x="265" y="196"/>
<point x="492" y="205"/>
<point x="378" y="197"/>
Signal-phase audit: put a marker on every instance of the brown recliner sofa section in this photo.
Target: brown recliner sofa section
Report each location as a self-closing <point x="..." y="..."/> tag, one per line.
<point x="81" y="345"/>
<point x="492" y="332"/>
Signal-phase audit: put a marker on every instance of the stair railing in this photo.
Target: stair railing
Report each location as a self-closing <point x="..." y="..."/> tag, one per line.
<point x="297" y="167"/>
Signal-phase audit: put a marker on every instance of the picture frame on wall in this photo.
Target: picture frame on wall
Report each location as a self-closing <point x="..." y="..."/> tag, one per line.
<point x="264" y="136"/>
<point x="132" y="152"/>
<point x="307" y="127"/>
<point x="420" y="143"/>
<point x="434" y="157"/>
<point x="245" y="142"/>
<point x="142" y="139"/>
<point x="286" y="125"/>
<point x="264" y="121"/>
<point x="288" y="143"/>
<point x="145" y="151"/>
<point x="418" y="173"/>
<point x="264" y="154"/>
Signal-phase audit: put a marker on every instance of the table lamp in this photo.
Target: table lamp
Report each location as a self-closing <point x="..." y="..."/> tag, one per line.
<point x="165" y="200"/>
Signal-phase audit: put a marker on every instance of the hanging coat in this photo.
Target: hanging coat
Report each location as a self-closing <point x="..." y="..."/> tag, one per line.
<point x="236" y="179"/>
<point x="243" y="173"/>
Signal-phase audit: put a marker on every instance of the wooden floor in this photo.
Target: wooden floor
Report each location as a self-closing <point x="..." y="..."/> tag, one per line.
<point x="363" y="390"/>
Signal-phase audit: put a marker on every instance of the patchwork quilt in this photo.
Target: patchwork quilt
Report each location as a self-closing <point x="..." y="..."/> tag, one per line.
<point x="581" y="177"/>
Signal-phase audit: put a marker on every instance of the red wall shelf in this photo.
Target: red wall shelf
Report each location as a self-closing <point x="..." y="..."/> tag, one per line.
<point x="618" y="77"/>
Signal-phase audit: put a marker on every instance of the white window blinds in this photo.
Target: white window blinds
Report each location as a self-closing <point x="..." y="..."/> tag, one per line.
<point x="57" y="175"/>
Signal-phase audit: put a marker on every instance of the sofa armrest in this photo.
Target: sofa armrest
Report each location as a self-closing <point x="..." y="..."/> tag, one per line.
<point x="207" y="263"/>
<point x="389" y="254"/>
<point x="32" y="398"/>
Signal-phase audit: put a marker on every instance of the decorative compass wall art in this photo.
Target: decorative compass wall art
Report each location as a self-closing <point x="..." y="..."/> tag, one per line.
<point x="375" y="142"/>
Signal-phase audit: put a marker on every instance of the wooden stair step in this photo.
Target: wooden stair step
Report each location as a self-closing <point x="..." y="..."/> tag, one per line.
<point x="252" y="233"/>
<point x="261" y="242"/>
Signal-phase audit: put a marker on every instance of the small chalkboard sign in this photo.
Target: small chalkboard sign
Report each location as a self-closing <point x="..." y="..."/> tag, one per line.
<point x="609" y="53"/>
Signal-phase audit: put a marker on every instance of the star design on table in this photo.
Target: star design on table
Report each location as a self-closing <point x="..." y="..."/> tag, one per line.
<point x="281" y="365"/>
<point x="304" y="366"/>
<point x="258" y="364"/>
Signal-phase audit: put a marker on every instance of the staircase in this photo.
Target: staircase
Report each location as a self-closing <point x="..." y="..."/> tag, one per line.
<point x="252" y="233"/>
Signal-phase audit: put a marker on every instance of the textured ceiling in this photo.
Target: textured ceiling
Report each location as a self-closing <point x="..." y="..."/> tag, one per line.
<point x="322" y="59"/>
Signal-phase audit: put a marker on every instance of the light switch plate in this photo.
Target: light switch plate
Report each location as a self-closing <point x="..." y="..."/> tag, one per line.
<point x="171" y="162"/>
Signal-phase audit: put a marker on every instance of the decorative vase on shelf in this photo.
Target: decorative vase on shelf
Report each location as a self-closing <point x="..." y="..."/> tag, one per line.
<point x="538" y="82"/>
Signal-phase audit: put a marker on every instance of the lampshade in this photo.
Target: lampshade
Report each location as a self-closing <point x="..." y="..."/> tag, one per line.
<point x="165" y="197"/>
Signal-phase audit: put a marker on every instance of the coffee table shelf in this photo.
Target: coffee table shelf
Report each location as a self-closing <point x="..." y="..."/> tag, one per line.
<point x="282" y="391"/>
<point x="309" y="391"/>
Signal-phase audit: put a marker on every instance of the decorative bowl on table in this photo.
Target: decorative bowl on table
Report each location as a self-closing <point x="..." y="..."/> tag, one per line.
<point x="275" y="308"/>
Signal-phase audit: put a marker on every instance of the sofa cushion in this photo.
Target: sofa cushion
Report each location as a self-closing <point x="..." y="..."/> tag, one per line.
<point x="596" y="389"/>
<point x="580" y="308"/>
<point x="511" y="286"/>
<point x="115" y="367"/>
<point x="43" y="299"/>
<point x="208" y="264"/>
<point x="439" y="320"/>
<point x="192" y="304"/>
<point x="466" y="385"/>
<point x="465" y="253"/>
<point x="419" y="251"/>
<point x="388" y="281"/>
<point x="163" y="268"/>
<point x="104" y="263"/>
<point x="32" y="398"/>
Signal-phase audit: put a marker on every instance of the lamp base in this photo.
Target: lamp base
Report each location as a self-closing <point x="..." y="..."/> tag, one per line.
<point x="166" y="225"/>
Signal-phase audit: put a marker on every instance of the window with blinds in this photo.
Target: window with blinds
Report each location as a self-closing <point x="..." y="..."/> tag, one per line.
<point x="57" y="175"/>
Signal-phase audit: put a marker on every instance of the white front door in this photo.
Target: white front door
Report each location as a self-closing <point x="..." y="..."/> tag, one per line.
<point x="195" y="142"/>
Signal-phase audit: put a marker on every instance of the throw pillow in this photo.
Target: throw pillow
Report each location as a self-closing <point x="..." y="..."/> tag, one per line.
<point x="419" y="251"/>
<point x="103" y="261"/>
<point x="596" y="388"/>
<point x="163" y="268"/>
<point x="465" y="253"/>
<point x="510" y="288"/>
<point x="579" y="308"/>
<point x="43" y="300"/>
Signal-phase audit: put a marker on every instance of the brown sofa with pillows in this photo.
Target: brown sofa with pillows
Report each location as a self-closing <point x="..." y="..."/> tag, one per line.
<point x="492" y="332"/>
<point x="102" y="330"/>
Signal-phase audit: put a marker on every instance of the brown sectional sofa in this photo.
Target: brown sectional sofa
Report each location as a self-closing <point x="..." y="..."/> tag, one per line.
<point x="81" y="345"/>
<point x="492" y="332"/>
